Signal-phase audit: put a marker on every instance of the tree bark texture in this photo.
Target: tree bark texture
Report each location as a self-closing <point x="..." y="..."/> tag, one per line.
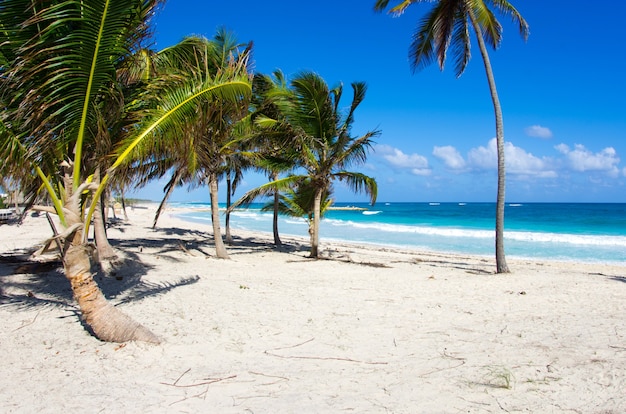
<point x="220" y="248"/>
<point x="229" y="237"/>
<point x="315" y="230"/>
<point x="277" y="242"/>
<point x="106" y="322"/>
<point x="501" y="265"/>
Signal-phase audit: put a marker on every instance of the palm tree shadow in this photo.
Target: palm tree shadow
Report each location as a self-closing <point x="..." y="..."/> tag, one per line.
<point x="175" y="239"/>
<point x="43" y="284"/>
<point x="611" y="277"/>
<point x="168" y="240"/>
<point x="124" y="279"/>
<point x="242" y="245"/>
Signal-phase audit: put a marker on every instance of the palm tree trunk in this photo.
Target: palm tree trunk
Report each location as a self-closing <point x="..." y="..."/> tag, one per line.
<point x="315" y="230"/>
<point x="277" y="242"/>
<point x="104" y="248"/>
<point x="169" y="189"/>
<point x="123" y="201"/>
<point x="220" y="248"/>
<point x="501" y="266"/>
<point x="229" y="237"/>
<point x="105" y="321"/>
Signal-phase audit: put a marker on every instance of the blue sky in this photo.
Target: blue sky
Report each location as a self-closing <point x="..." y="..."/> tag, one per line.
<point x="563" y="95"/>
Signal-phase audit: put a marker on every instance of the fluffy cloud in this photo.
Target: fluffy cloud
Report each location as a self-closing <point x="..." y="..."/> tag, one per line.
<point x="581" y="159"/>
<point x="415" y="163"/>
<point x="450" y="157"/>
<point x="518" y="161"/>
<point x="537" y="131"/>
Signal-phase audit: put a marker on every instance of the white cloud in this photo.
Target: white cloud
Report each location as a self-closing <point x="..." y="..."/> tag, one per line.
<point x="581" y="159"/>
<point x="450" y="157"/>
<point x="421" y="171"/>
<point x="537" y="131"/>
<point x="415" y="163"/>
<point x="517" y="160"/>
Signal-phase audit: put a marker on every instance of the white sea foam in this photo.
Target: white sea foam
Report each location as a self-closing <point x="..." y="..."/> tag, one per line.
<point x="451" y="232"/>
<point x="198" y="218"/>
<point x="577" y="239"/>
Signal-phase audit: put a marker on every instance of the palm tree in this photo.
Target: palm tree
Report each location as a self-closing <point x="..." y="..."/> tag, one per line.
<point x="61" y="70"/>
<point x="310" y="112"/>
<point x="448" y="25"/>
<point x="198" y="155"/>
<point x="274" y="153"/>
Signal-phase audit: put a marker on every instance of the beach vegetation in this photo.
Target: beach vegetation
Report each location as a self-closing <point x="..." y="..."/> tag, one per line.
<point x="60" y="83"/>
<point x="320" y="136"/>
<point x="274" y="152"/>
<point x="447" y="26"/>
<point x="299" y="201"/>
<point x="498" y="376"/>
<point x="201" y="149"/>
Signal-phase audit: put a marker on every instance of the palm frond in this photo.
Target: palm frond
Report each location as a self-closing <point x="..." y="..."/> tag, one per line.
<point x="422" y="48"/>
<point x="358" y="182"/>
<point x="267" y="189"/>
<point x="461" y="44"/>
<point x="507" y="9"/>
<point x="490" y="26"/>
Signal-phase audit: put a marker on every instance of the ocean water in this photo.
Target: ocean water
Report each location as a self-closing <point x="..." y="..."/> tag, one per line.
<point x="588" y="232"/>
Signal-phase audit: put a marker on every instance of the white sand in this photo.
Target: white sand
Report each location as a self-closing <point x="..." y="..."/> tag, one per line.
<point x="369" y="331"/>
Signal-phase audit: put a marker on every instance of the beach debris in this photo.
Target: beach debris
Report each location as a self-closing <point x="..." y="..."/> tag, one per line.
<point x="319" y="358"/>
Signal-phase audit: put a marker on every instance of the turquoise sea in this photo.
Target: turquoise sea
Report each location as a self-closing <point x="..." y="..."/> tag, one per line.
<point x="589" y="232"/>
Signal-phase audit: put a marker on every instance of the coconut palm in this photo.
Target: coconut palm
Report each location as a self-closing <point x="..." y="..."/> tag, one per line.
<point x="310" y="113"/>
<point x="198" y="155"/>
<point x="447" y="25"/>
<point x="61" y="73"/>
<point x="274" y="153"/>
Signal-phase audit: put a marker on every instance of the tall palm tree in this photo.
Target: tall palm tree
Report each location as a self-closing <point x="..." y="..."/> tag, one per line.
<point x="274" y="153"/>
<point x="61" y="70"/>
<point x="448" y="25"/>
<point x="310" y="111"/>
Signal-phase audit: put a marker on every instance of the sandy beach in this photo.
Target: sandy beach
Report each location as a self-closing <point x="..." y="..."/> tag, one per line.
<point x="364" y="330"/>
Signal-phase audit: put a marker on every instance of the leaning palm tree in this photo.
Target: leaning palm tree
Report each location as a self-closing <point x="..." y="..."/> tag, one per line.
<point x="61" y="70"/>
<point x="447" y="25"/>
<point x="310" y="112"/>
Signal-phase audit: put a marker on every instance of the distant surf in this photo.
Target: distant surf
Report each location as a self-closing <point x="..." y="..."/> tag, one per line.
<point x="371" y="213"/>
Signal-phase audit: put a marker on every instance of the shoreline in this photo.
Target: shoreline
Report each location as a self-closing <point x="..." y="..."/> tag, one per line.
<point x="368" y="330"/>
<point x="178" y="212"/>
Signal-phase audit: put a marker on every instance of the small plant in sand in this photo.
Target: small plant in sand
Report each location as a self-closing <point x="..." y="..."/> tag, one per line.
<point x="498" y="376"/>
